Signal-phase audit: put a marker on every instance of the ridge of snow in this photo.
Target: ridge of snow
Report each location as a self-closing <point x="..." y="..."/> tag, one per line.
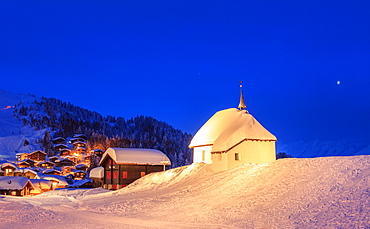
<point x="324" y="192"/>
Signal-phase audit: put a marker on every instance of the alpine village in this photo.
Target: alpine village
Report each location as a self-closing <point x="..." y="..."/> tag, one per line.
<point x="134" y="148"/>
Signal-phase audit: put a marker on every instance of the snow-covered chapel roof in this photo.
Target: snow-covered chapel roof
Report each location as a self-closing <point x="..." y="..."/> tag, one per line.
<point x="136" y="156"/>
<point x="228" y="127"/>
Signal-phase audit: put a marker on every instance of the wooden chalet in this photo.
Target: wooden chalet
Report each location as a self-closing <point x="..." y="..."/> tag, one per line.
<point x="21" y="156"/>
<point x="79" y="144"/>
<point x="123" y="166"/>
<point x="80" y="136"/>
<point x="46" y="164"/>
<point x="37" y="156"/>
<point x="64" y="162"/>
<point x="23" y="164"/>
<point x="80" y="175"/>
<point x="8" y="169"/>
<point x="25" y="172"/>
<point x="82" y="167"/>
<point x="97" y="152"/>
<point x="41" y="185"/>
<point x="51" y="172"/>
<point x="58" y="140"/>
<point x="15" y="186"/>
<point x="57" y="180"/>
<point x="53" y="159"/>
<point x="59" y="147"/>
<point x="65" y="152"/>
<point x="66" y="170"/>
<point x="73" y="140"/>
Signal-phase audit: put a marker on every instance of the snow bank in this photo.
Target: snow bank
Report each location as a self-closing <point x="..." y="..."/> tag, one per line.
<point x="328" y="192"/>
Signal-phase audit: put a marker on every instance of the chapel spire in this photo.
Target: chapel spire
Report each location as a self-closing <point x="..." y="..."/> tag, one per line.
<point x="242" y="105"/>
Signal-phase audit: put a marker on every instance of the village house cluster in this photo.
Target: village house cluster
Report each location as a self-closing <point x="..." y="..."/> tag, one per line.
<point x="72" y="166"/>
<point x="36" y="172"/>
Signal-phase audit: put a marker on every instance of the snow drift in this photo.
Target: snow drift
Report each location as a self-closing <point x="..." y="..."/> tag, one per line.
<point x="330" y="192"/>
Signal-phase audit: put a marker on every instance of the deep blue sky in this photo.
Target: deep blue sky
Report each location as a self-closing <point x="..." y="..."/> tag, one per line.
<point x="181" y="61"/>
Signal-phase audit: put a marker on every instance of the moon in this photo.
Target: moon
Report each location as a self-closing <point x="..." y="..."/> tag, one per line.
<point x="338" y="82"/>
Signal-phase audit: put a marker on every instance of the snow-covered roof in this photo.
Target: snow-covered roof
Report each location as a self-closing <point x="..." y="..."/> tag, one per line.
<point x="4" y="165"/>
<point x="136" y="156"/>
<point x="228" y="127"/>
<point x="50" y="171"/>
<point x="60" y="146"/>
<point x="97" y="172"/>
<point x="79" y="136"/>
<point x="13" y="183"/>
<point x="79" y="142"/>
<point x="78" y="183"/>
<point x="41" y="183"/>
<point x="61" y="179"/>
<point x="25" y="170"/>
<point x="38" y="151"/>
<point x="46" y="162"/>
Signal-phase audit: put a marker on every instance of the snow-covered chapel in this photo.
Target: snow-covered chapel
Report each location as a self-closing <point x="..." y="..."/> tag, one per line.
<point x="233" y="137"/>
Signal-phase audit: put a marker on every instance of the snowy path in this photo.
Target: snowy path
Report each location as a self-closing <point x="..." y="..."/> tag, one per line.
<point x="331" y="192"/>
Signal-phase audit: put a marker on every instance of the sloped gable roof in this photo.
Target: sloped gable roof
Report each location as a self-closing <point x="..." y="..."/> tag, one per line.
<point x="135" y="156"/>
<point x="13" y="183"/>
<point x="227" y="128"/>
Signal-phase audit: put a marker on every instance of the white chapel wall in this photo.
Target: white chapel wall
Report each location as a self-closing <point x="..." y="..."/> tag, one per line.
<point x="202" y="154"/>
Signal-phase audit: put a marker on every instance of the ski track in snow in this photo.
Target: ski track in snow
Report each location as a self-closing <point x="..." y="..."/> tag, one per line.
<point x="331" y="192"/>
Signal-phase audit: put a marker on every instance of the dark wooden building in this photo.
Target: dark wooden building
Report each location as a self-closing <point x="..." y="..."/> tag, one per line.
<point x="123" y="166"/>
<point x="37" y="156"/>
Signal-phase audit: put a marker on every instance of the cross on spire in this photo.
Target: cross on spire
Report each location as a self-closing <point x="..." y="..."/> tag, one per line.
<point x="242" y="105"/>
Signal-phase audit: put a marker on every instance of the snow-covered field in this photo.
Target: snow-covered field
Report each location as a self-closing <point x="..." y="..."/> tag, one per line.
<point x="330" y="192"/>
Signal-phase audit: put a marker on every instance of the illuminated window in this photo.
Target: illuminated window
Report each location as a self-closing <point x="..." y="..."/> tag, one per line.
<point x="203" y="155"/>
<point x="115" y="175"/>
<point x="108" y="175"/>
<point x="237" y="157"/>
<point x="124" y="175"/>
<point x="142" y="174"/>
<point x="8" y="170"/>
<point x="219" y="157"/>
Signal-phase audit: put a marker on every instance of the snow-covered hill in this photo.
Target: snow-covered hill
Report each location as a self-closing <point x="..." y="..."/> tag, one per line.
<point x="46" y="118"/>
<point x="14" y="137"/>
<point x="328" y="192"/>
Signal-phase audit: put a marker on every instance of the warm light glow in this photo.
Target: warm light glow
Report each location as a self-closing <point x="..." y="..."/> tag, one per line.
<point x="7" y="107"/>
<point x="54" y="184"/>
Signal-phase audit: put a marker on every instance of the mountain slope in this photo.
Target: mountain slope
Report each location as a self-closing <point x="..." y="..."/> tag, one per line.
<point x="14" y="136"/>
<point x="331" y="192"/>
<point x="28" y="119"/>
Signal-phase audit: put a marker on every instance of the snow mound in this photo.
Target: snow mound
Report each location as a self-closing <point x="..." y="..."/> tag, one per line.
<point x="324" y="192"/>
<point x="172" y="177"/>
